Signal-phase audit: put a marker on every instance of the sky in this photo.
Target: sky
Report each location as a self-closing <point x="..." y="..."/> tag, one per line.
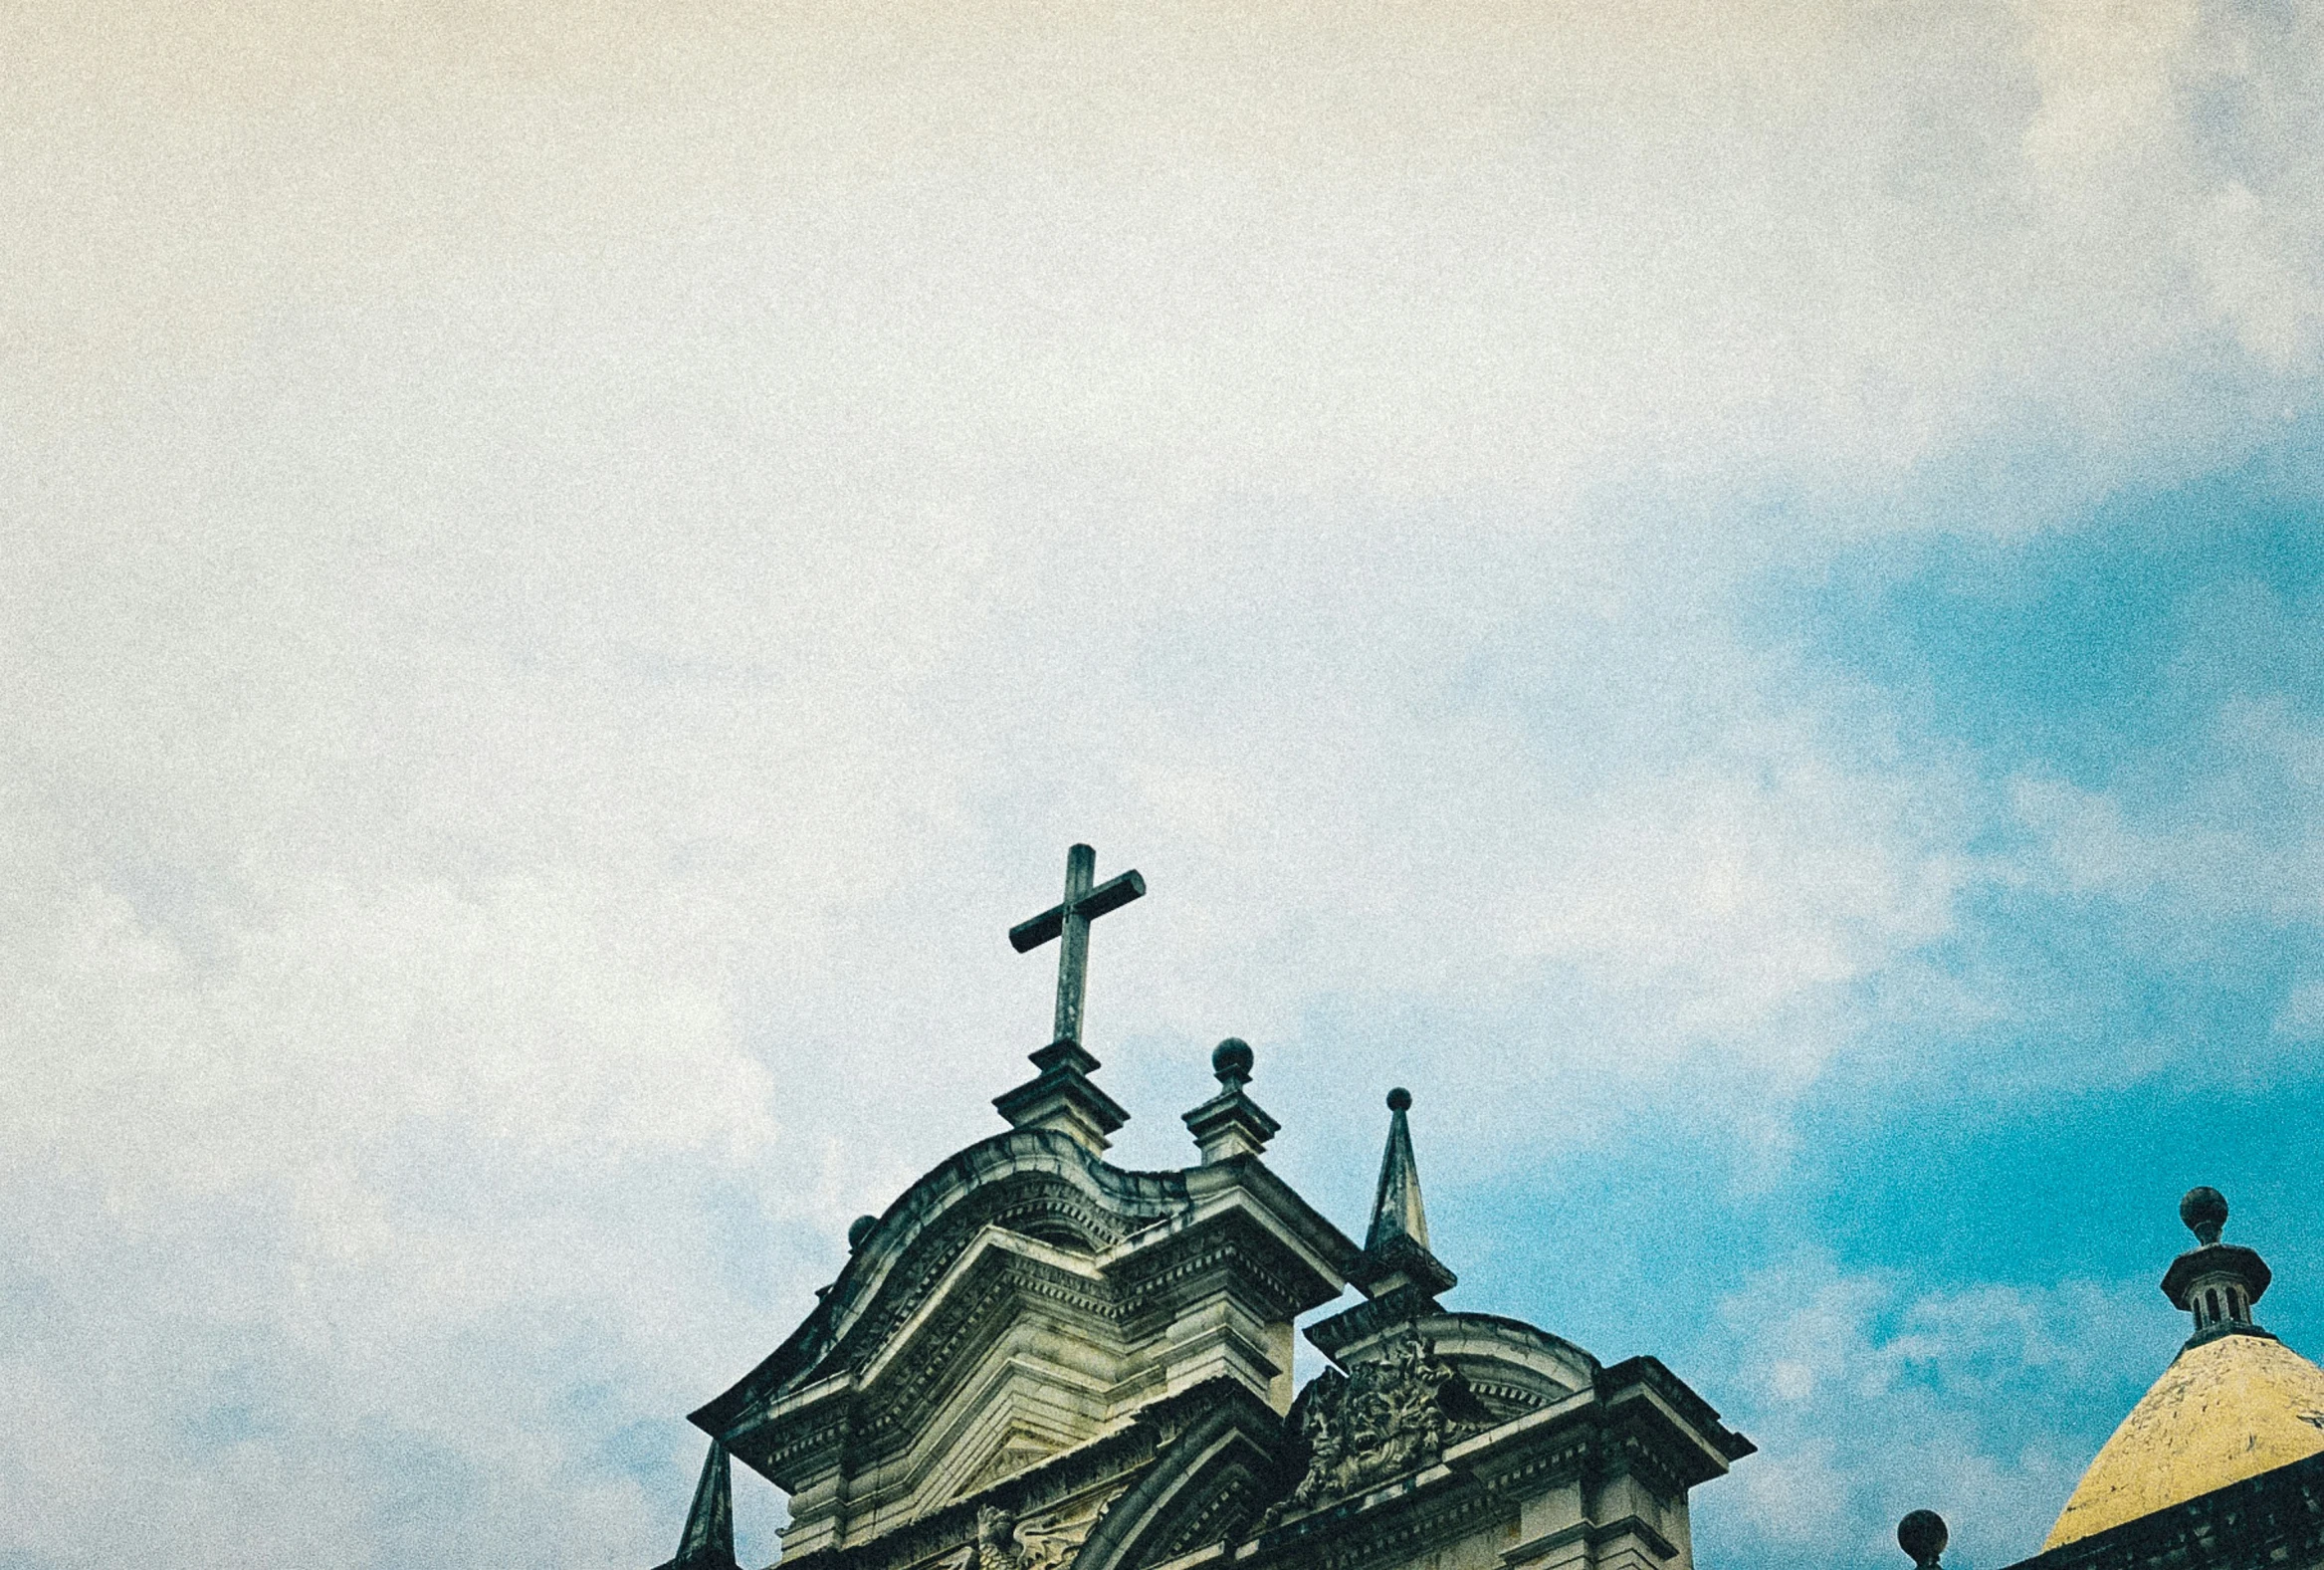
<point x="1731" y="592"/>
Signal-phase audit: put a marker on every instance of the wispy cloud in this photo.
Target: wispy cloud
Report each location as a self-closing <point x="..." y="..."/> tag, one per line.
<point x="1869" y="1399"/>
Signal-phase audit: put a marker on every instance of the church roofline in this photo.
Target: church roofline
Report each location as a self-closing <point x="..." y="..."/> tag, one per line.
<point x="1427" y="1323"/>
<point x="1147" y="1206"/>
<point x="1635" y="1402"/>
<point x="2248" y="1524"/>
<point x="1036" y="1360"/>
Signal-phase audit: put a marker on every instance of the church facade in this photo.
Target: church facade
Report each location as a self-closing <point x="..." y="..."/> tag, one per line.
<point x="1037" y="1360"/>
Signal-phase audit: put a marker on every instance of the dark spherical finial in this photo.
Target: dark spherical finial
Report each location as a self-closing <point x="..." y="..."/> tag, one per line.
<point x="1400" y="1100"/>
<point x="1921" y="1534"/>
<point x="2205" y="1211"/>
<point x="1231" y="1060"/>
<point x="858" y="1229"/>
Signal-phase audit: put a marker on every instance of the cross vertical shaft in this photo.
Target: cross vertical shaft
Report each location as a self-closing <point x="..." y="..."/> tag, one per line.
<point x="1068" y="923"/>
<point x="1073" y="953"/>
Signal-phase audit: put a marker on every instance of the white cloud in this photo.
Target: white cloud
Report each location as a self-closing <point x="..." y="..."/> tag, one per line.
<point x="2230" y="848"/>
<point x="1982" y="1402"/>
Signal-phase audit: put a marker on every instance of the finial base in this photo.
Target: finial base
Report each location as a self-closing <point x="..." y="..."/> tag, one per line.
<point x="1230" y="1124"/>
<point x="1062" y="1099"/>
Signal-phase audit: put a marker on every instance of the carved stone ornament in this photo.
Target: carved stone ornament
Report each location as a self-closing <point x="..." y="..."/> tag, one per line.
<point x="1044" y="1543"/>
<point x="1384" y="1418"/>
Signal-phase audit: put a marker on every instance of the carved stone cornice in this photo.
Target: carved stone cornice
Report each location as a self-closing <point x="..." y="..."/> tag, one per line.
<point x="1212" y="1474"/>
<point x="946" y="1342"/>
<point x="1229" y="1253"/>
<point x="983" y="1388"/>
<point x="1677" y="1426"/>
<point x="1395" y="1523"/>
<point x="1398" y="1490"/>
<point x="1099" y="1471"/>
<point x="1044" y="1185"/>
<point x="1038" y="1182"/>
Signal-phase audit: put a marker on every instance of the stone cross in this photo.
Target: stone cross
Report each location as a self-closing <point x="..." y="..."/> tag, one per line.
<point x="1070" y="921"/>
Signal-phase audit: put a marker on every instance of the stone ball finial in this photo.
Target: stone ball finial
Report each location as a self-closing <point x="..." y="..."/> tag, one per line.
<point x="1921" y="1534"/>
<point x="858" y="1229"/>
<point x="1232" y="1061"/>
<point x="1400" y="1100"/>
<point x="2205" y="1211"/>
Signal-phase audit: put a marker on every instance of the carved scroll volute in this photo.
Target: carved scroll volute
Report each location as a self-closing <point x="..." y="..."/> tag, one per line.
<point x="1047" y="1542"/>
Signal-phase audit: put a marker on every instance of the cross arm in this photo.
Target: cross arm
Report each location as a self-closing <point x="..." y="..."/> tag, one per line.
<point x="1112" y="894"/>
<point x="1027" y="936"/>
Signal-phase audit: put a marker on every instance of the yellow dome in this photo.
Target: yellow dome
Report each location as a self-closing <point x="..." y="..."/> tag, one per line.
<point x="2226" y="1410"/>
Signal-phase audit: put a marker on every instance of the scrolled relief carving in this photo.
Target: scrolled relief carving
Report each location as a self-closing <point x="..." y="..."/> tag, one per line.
<point x="1385" y="1416"/>
<point x="1047" y="1542"/>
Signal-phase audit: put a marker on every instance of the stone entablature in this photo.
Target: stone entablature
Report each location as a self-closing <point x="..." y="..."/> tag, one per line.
<point x="1596" y="1480"/>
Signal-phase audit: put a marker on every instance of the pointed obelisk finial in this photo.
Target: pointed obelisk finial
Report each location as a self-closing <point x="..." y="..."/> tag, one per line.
<point x="1397" y="1211"/>
<point x="1396" y="1248"/>
<point x="707" y="1543"/>
<point x="2216" y="1282"/>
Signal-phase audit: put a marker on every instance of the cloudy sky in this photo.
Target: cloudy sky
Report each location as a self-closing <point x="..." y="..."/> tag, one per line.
<point x="1732" y="593"/>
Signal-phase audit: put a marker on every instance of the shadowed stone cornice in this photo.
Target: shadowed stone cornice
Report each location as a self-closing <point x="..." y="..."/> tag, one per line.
<point x="1212" y="1476"/>
<point x="1635" y="1419"/>
<point x="1024" y="1299"/>
<point x="1046" y="1186"/>
<point x="1645" y="1385"/>
<point x="899" y="1392"/>
<point x="1105" y="1467"/>
<point x="1032" y="1180"/>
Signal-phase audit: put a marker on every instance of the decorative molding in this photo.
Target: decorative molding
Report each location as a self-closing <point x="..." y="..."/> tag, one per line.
<point x="1209" y="1476"/>
<point x="1010" y="1275"/>
<point x="1597" y="1534"/>
<point x="1149" y="1276"/>
<point x="1356" y="1535"/>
